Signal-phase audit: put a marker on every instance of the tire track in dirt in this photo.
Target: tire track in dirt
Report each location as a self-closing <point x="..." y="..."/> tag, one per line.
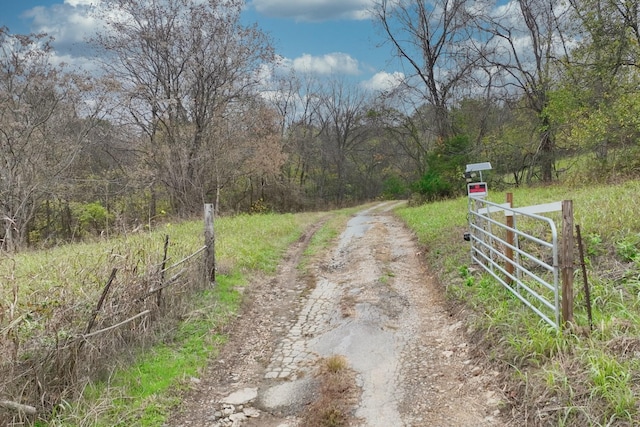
<point x="372" y="302"/>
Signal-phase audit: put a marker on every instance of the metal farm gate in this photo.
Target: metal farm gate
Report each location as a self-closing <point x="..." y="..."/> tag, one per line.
<point x="520" y="249"/>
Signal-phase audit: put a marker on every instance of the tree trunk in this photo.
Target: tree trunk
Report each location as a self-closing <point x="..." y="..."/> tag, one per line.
<point x="546" y="152"/>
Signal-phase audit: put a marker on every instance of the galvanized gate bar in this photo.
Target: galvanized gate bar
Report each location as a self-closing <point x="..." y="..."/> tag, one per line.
<point x="486" y="250"/>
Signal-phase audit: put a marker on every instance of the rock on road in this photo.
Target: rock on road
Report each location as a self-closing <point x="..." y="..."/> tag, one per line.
<point x="372" y="301"/>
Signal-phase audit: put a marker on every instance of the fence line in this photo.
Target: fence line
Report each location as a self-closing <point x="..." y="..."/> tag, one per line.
<point x="117" y="325"/>
<point x="122" y="302"/>
<point x="185" y="259"/>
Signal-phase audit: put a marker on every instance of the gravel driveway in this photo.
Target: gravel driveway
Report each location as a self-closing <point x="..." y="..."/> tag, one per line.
<point x="369" y="299"/>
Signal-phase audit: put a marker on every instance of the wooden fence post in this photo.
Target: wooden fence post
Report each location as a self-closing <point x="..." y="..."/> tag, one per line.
<point x="566" y="262"/>
<point x="210" y="244"/>
<point x="510" y="240"/>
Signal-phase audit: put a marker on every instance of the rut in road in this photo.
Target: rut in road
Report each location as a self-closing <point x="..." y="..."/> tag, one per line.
<point x="373" y="302"/>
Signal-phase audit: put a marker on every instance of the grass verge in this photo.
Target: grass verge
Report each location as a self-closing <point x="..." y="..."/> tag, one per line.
<point x="568" y="378"/>
<point x="141" y="390"/>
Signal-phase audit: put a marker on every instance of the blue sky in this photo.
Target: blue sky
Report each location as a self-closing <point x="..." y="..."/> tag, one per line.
<point x="325" y="37"/>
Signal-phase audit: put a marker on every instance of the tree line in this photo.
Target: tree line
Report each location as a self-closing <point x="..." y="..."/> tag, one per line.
<point x="189" y="106"/>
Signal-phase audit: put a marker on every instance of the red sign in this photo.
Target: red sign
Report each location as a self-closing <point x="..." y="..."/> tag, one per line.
<point x="477" y="189"/>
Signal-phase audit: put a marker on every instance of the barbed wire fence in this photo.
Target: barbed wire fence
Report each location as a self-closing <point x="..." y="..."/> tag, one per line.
<point x="50" y="353"/>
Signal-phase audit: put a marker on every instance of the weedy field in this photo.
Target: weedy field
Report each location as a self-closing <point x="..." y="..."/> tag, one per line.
<point x="576" y="377"/>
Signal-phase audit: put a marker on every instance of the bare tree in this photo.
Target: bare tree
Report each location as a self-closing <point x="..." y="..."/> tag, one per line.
<point x="528" y="44"/>
<point x="436" y="40"/>
<point x="288" y="99"/>
<point x="413" y="136"/>
<point x="297" y="99"/>
<point x="629" y="11"/>
<point x="184" y="66"/>
<point x="342" y="114"/>
<point x="247" y="155"/>
<point x="44" y="121"/>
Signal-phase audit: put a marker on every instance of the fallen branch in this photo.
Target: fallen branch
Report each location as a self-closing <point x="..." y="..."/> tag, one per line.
<point x="101" y="301"/>
<point x="26" y="409"/>
<point x="117" y="325"/>
<point x="15" y="322"/>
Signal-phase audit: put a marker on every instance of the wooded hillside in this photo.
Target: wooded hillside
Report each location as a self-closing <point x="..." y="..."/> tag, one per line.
<point x="184" y="105"/>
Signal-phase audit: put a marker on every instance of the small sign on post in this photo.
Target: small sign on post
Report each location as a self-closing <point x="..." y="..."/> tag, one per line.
<point x="477" y="189"/>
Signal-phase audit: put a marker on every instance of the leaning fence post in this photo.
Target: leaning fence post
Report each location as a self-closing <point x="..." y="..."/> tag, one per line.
<point x="162" y="271"/>
<point x="567" y="261"/>
<point x="210" y="244"/>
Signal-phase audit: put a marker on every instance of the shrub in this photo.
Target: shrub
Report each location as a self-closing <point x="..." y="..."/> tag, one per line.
<point x="92" y="218"/>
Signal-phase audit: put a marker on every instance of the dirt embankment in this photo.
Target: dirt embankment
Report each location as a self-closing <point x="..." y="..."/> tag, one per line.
<point x="370" y="300"/>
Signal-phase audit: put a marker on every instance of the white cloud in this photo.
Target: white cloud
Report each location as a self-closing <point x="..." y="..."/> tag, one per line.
<point x="384" y="81"/>
<point x="331" y="63"/>
<point x="315" y="10"/>
<point x="75" y="3"/>
<point x="68" y="23"/>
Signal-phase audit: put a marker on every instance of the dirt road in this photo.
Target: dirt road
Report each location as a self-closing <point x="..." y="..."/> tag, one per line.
<point x="369" y="299"/>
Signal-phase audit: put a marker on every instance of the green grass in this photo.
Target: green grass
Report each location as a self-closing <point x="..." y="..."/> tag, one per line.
<point x="593" y="376"/>
<point x="143" y="391"/>
<point x="258" y="240"/>
<point x="245" y="242"/>
<point x="612" y="380"/>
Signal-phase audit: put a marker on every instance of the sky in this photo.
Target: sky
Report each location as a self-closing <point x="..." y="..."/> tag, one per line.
<point x="323" y="37"/>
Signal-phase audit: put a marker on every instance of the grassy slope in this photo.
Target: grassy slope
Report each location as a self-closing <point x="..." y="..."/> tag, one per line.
<point x="572" y="378"/>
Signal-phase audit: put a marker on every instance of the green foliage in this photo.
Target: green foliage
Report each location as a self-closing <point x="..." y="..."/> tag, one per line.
<point x="598" y="117"/>
<point x="593" y="243"/>
<point x="59" y="221"/>
<point x="445" y="167"/>
<point x="466" y="275"/>
<point x="393" y="188"/>
<point x="434" y="186"/>
<point x="510" y="147"/>
<point x="259" y="207"/>
<point x="91" y="217"/>
<point x="628" y="247"/>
